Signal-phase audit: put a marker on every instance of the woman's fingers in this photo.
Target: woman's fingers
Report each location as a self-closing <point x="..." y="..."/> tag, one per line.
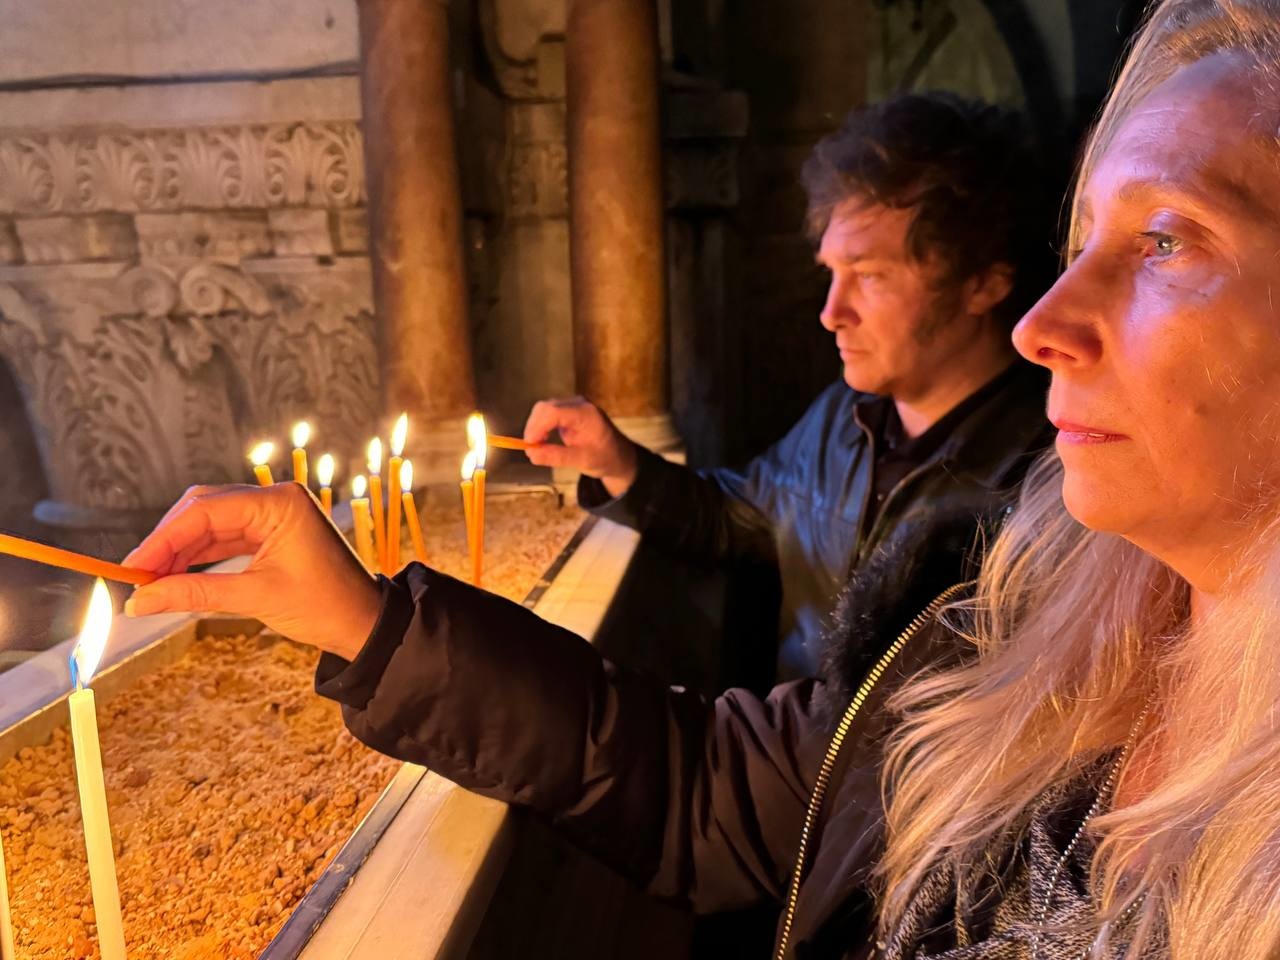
<point x="197" y="593"/>
<point x="226" y="514"/>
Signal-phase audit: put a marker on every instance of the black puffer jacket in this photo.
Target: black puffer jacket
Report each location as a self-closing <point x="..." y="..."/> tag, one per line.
<point x="699" y="802"/>
<point x="801" y="506"/>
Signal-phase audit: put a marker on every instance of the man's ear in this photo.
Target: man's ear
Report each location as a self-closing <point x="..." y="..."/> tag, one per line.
<point x="987" y="290"/>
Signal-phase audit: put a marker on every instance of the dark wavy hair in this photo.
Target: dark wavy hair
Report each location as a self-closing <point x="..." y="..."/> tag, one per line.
<point x="970" y="171"/>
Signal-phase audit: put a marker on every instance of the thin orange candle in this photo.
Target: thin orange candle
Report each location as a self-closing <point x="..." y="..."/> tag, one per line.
<point x="77" y="562"/>
<point x="479" y="446"/>
<point x="398" y="436"/>
<point x="375" y="501"/>
<point x="362" y="522"/>
<point x="511" y="443"/>
<point x="411" y="512"/>
<point x="324" y="473"/>
<point x="260" y="456"/>
<point x="301" y="434"/>
<point x="468" y="501"/>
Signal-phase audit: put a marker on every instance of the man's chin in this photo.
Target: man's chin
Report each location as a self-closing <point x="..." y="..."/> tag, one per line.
<point x="863" y="380"/>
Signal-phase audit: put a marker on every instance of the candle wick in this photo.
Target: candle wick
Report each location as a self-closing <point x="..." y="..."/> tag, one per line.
<point x="75" y="672"/>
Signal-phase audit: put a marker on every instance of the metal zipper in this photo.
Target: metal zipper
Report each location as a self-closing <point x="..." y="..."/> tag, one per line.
<point x="833" y="751"/>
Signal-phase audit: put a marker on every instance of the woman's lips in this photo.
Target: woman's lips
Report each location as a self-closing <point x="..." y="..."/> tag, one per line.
<point x="1077" y="433"/>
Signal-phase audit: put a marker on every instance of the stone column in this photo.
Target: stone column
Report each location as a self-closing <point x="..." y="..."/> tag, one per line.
<point x="415" y="226"/>
<point x="616" y="214"/>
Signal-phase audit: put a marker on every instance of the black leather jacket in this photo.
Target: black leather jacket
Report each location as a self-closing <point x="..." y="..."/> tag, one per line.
<point x="802" y="505"/>
<point x="700" y="803"/>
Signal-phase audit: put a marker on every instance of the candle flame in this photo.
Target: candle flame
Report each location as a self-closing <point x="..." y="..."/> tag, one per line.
<point x="324" y="470"/>
<point x="93" y="635"/>
<point x="261" y="453"/>
<point x="301" y="434"/>
<point x="469" y="465"/>
<point x="359" y="485"/>
<point x="399" y="434"/>
<point x="478" y="439"/>
<point x="375" y="455"/>
<point x="406" y="476"/>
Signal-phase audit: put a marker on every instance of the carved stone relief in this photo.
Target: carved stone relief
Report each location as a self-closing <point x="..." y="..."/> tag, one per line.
<point x="105" y="357"/>
<point x="235" y="167"/>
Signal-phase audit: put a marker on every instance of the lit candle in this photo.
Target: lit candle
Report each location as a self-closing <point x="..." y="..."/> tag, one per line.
<point x="479" y="446"/>
<point x="398" y="436"/>
<point x="324" y="473"/>
<point x="361" y="520"/>
<point x="411" y="512"/>
<point x="6" y="919"/>
<point x="259" y="457"/>
<point x="301" y="434"/>
<point x="93" y="792"/>
<point x="375" y="502"/>
<point x="468" y="501"/>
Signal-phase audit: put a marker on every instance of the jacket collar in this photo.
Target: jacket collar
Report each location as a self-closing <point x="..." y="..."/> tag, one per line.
<point x="985" y="445"/>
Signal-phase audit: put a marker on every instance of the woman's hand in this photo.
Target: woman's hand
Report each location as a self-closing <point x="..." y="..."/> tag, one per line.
<point x="303" y="581"/>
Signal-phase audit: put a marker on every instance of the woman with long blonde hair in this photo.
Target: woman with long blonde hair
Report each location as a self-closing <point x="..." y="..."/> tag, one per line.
<point x="1078" y="756"/>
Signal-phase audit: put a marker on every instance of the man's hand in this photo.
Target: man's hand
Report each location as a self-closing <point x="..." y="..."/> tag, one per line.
<point x="303" y="580"/>
<point x="592" y="443"/>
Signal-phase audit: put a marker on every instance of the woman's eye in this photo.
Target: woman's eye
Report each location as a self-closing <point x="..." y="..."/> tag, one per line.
<point x="1163" y="244"/>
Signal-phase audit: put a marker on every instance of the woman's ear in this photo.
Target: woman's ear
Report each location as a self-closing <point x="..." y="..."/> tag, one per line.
<point x="987" y="290"/>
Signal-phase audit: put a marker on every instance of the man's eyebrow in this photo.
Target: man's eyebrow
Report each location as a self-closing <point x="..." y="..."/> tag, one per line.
<point x="849" y="261"/>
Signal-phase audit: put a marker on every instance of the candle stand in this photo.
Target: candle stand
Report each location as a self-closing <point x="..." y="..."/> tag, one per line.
<point x="413" y="860"/>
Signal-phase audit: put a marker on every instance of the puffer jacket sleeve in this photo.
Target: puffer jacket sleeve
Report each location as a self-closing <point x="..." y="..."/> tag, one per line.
<point x="698" y="802"/>
<point x="719" y="515"/>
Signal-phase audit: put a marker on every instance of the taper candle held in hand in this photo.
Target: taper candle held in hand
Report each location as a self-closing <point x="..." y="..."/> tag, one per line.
<point x="301" y="434"/>
<point x="260" y="457"/>
<point x="324" y="473"/>
<point x="93" y="792"/>
<point x="398" y="436"/>
<point x="411" y="512"/>
<point x="379" y="515"/>
<point x="77" y="562"/>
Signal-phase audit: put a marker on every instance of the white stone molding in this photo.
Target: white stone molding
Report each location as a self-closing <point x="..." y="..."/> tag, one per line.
<point x="303" y="164"/>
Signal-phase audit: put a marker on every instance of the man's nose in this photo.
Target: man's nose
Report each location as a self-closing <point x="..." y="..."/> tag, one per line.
<point x="837" y="311"/>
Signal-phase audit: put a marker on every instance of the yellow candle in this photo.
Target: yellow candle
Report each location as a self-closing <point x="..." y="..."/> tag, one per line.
<point x="301" y="434"/>
<point x="324" y="473"/>
<point x="93" y="791"/>
<point x="362" y="522"/>
<point x="477" y="556"/>
<point x="375" y="502"/>
<point x="468" y="502"/>
<point x="411" y="513"/>
<point x="398" y="436"/>
<point x="259" y="456"/>
<point x="478" y="437"/>
<point x="6" y="919"/>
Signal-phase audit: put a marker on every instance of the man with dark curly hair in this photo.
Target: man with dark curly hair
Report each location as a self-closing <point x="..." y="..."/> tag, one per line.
<point x="927" y="212"/>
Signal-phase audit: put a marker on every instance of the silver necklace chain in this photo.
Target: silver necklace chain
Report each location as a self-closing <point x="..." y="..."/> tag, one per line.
<point x="1103" y="796"/>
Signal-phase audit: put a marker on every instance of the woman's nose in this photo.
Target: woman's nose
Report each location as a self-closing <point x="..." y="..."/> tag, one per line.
<point x="1063" y="328"/>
